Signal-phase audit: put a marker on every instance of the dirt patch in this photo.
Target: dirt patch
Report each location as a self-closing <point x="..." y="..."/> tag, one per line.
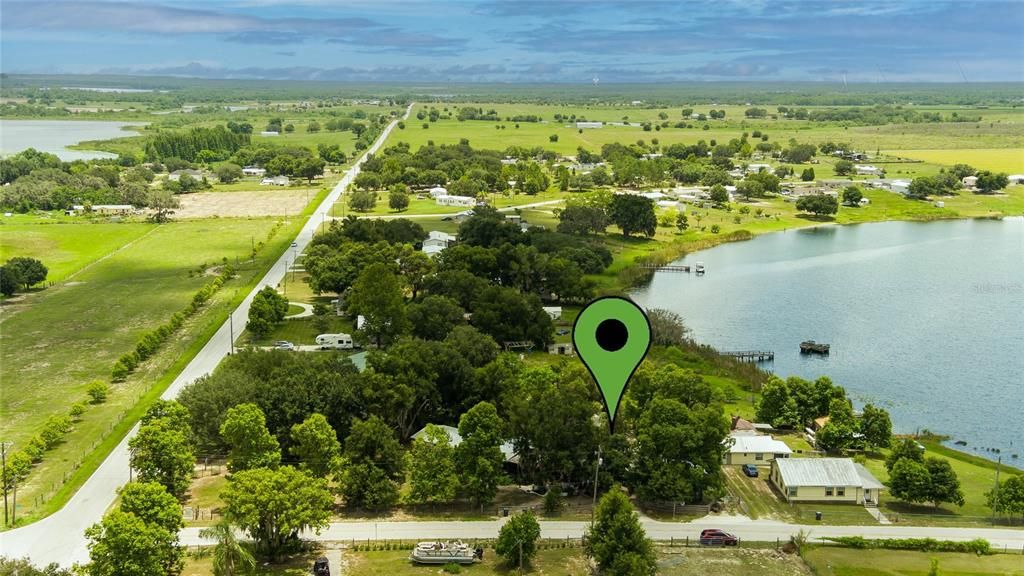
<point x="242" y="204"/>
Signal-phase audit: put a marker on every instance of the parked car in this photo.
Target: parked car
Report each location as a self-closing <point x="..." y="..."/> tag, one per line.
<point x="284" y="345"/>
<point x="562" y="331"/>
<point x="750" y="470"/>
<point x="320" y="567"/>
<point x="715" y="537"/>
<point x="295" y="244"/>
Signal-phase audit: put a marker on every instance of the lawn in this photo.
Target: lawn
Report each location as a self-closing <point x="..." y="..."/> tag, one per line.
<point x="1009" y="160"/>
<point x="761" y="500"/>
<point x="298" y="565"/>
<point x="66" y="247"/>
<point x="834" y="561"/>
<point x="59" y="339"/>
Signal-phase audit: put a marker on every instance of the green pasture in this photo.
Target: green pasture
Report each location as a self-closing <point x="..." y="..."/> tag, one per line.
<point x="66" y="247"/>
<point x="835" y="561"/>
<point x="1009" y="160"/>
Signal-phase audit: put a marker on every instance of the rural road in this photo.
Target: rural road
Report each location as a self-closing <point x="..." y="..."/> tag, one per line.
<point x="745" y="528"/>
<point x="60" y="537"/>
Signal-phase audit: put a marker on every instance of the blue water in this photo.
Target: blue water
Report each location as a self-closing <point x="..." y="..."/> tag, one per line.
<point x="924" y="319"/>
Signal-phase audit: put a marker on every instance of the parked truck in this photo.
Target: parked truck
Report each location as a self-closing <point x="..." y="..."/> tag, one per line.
<point x="335" y="342"/>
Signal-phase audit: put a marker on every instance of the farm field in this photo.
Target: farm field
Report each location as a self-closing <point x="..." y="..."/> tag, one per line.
<point x="833" y="561"/>
<point x="1009" y="160"/>
<point x="59" y="339"/>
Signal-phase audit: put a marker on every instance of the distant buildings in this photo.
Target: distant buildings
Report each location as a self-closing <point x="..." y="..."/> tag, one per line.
<point x="747" y="449"/>
<point x="582" y="125"/>
<point x="867" y="170"/>
<point x="449" y="200"/>
<point x="276" y="181"/>
<point x="177" y="174"/>
<point x="254" y="171"/>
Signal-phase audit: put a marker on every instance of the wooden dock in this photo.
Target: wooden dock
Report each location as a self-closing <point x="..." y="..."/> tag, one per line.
<point x="751" y="355"/>
<point x="699" y="269"/>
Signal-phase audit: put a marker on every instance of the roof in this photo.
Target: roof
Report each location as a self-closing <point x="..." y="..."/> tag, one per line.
<point x="438" y="235"/>
<point x="455" y="439"/>
<point x="748" y="444"/>
<point x="741" y="424"/>
<point x="825" y="472"/>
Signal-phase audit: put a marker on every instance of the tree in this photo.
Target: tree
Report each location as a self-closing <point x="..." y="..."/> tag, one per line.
<point x="509" y="316"/>
<point x="667" y="327"/>
<point x="275" y="506"/>
<point x="909" y="481"/>
<point x="807" y="175"/>
<point x="476" y="347"/>
<point x="517" y="540"/>
<point x="944" y="486"/>
<point x="310" y="168"/>
<point x="163" y="204"/>
<point x="852" y="195"/>
<point x="719" y="195"/>
<point x="578" y="219"/>
<point x="1008" y="496"/>
<point x="633" y="214"/>
<point x="434" y="317"/>
<point x="818" y="204"/>
<point x="377" y="296"/>
<point x="123" y="545"/>
<point x="553" y="138"/>
<point x="316" y="444"/>
<point x="10" y="280"/>
<point x="374" y="465"/>
<point x="922" y="187"/>
<point x="843" y="168"/>
<point x="162" y="452"/>
<point x="750" y="189"/>
<point x="478" y="456"/>
<point x="681" y="223"/>
<point x="24" y="567"/>
<point x="29" y="271"/>
<point x="989" y="182"/>
<point x="617" y="542"/>
<point x="252" y="445"/>
<point x="398" y="197"/>
<point x="98" y="391"/>
<point x="907" y="448"/>
<point x="228" y="172"/>
<point x="876" y="427"/>
<point x="153" y="504"/>
<point x="230" y="555"/>
<point x="362" y="200"/>
<point x="431" y="463"/>
<point x="268" y="307"/>
<point x="776" y="407"/>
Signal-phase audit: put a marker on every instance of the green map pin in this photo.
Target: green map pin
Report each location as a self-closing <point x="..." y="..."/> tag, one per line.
<point x="612" y="335"/>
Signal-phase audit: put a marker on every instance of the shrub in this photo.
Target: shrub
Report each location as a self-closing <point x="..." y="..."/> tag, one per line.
<point x="77" y="409"/>
<point x="715" y="228"/>
<point x="978" y="546"/>
<point x="54" y="430"/>
<point x="35" y="448"/>
<point x="98" y="392"/>
<point x="120" y="372"/>
<point x="553" y="502"/>
<point x="452" y="568"/>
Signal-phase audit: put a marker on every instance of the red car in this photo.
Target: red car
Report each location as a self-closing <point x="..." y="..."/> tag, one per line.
<point x="714" y="537"/>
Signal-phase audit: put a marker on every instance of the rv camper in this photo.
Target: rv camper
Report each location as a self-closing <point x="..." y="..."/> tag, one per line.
<point x="334" y="341"/>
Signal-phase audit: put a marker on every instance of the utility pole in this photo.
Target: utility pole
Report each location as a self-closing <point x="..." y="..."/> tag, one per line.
<point x="995" y="495"/>
<point x="3" y="478"/>
<point x="593" y="507"/>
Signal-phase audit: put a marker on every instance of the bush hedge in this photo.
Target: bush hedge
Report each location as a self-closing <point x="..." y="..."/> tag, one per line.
<point x="978" y="546"/>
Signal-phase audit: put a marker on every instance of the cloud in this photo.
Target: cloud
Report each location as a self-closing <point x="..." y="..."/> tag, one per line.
<point x="396" y="40"/>
<point x="733" y="69"/>
<point x="285" y="53"/>
<point x="267" y="37"/>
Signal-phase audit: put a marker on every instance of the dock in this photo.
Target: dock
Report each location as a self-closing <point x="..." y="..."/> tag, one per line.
<point x="697" y="268"/>
<point x="751" y="355"/>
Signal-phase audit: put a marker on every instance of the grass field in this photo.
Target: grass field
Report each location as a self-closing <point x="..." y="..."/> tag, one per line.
<point x="66" y="247"/>
<point x="1009" y="160"/>
<point x="59" y="339"/>
<point x="833" y="561"/>
<point x="762" y="501"/>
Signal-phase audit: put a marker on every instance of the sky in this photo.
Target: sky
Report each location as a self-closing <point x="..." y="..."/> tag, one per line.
<point x="546" y="41"/>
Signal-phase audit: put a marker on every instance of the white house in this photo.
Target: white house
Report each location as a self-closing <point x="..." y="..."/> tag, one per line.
<point x="436" y="242"/>
<point x="554" y="311"/>
<point x="438" y="191"/>
<point x="755" y="168"/>
<point x="838" y="480"/>
<point x="750" y="449"/>
<point x="867" y="170"/>
<point x="433" y="250"/>
<point x="254" y="171"/>
<point x="970" y="181"/>
<point x="589" y="124"/>
<point x="899" y="186"/>
<point x="454" y="439"/>
<point x="1016" y="178"/>
<point x="448" y="200"/>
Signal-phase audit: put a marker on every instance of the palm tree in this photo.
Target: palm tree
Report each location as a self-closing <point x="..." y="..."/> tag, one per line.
<point x="230" y="556"/>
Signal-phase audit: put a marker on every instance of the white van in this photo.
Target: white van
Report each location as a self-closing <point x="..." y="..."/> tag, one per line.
<point x="335" y="341"/>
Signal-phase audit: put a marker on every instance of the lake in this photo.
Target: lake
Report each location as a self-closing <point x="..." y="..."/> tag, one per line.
<point x="924" y="319"/>
<point x="54" y="136"/>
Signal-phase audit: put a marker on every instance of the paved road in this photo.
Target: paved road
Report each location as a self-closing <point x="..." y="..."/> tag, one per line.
<point x="745" y="528"/>
<point x="60" y="537"/>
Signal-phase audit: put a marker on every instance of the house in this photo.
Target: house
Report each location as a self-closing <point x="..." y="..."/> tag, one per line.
<point x="563" y="349"/>
<point x="448" y="200"/>
<point x="275" y="181"/>
<point x="755" y="168"/>
<point x="436" y="242"/>
<point x="747" y="449"/>
<point x="1016" y="178"/>
<point x="454" y="439"/>
<point x="582" y="125"/>
<point x="438" y="191"/>
<point x="898" y="186"/>
<point x="432" y="250"/>
<point x="741" y="426"/>
<point x="654" y="195"/>
<point x="970" y="181"/>
<point x="554" y="311"/>
<point x="269" y="133"/>
<point x="867" y="170"/>
<point x="832" y="480"/>
<point x="254" y="171"/>
<point x="506" y="161"/>
<point x="177" y="174"/>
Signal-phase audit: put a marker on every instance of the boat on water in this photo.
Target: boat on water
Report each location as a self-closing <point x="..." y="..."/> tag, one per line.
<point x="456" y="552"/>
<point x="812" y="347"/>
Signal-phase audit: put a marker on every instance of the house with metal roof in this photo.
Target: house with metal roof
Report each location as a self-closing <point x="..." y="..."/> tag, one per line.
<point x="749" y="449"/>
<point x="832" y="480"/>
